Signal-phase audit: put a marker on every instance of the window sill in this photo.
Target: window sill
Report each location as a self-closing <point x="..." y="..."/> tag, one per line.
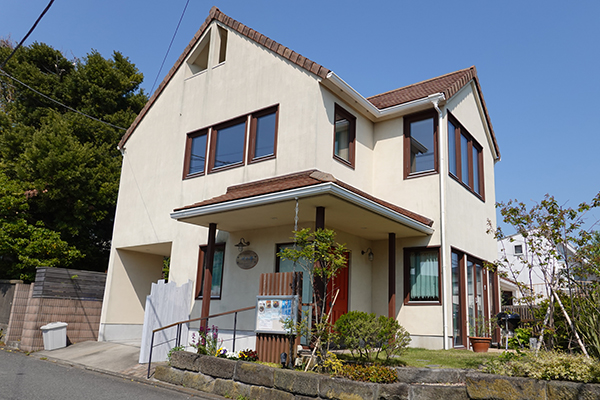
<point x="343" y="161"/>
<point x="423" y="303"/>
<point x="263" y="158"/>
<point x="190" y="176"/>
<point x="420" y="174"/>
<point x="226" y="167"/>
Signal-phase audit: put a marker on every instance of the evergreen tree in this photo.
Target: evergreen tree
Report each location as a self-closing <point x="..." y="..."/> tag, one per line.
<point x="67" y="163"/>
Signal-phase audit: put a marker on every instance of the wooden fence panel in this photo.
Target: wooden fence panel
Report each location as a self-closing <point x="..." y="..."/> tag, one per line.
<point x="269" y="346"/>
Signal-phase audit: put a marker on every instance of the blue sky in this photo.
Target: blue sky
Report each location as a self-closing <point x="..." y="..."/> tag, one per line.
<point x="537" y="62"/>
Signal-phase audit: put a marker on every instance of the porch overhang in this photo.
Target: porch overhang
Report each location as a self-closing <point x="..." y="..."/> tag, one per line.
<point x="345" y="210"/>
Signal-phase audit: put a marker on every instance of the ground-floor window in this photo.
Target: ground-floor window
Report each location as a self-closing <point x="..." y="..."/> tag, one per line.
<point x="422" y="275"/>
<point x="217" y="272"/>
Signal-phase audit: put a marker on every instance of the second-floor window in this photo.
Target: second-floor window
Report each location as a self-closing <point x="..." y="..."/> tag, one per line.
<point x="465" y="157"/>
<point x="420" y="144"/>
<point x="223" y="146"/>
<point x="344" y="136"/>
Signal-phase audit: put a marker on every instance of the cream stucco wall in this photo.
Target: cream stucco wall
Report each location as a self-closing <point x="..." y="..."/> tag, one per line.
<point x="251" y="79"/>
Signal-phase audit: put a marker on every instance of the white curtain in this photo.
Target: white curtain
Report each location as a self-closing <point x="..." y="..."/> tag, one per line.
<point x="424" y="276"/>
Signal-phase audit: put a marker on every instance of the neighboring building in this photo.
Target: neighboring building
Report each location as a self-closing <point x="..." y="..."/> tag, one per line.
<point x="242" y="127"/>
<point x="523" y="267"/>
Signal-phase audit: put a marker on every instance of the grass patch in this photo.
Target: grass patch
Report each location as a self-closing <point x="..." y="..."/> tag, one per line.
<point x="463" y="359"/>
<point x="423" y="358"/>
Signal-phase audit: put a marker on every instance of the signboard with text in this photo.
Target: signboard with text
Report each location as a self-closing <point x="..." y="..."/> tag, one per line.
<point x="272" y="311"/>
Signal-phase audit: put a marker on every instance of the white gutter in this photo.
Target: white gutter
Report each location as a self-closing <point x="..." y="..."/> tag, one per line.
<point x="386" y="112"/>
<point x="442" y="173"/>
<point x="308" y="191"/>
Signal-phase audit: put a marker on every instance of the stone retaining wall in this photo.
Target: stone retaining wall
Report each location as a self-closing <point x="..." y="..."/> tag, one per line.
<point x="253" y="381"/>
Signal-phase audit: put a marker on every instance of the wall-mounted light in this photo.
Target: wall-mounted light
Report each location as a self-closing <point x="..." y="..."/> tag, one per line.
<point x="370" y="254"/>
<point x="242" y="244"/>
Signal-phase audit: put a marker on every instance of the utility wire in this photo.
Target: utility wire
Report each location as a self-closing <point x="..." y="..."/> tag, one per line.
<point x="59" y="103"/>
<point x="28" y="33"/>
<point x="169" y="48"/>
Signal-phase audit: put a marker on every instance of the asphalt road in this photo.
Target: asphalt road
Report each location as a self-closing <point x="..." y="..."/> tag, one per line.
<point x="28" y="378"/>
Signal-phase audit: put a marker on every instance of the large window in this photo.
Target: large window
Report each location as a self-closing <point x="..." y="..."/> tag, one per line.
<point x="226" y="147"/>
<point x="420" y="144"/>
<point x="228" y="144"/>
<point x="263" y="134"/>
<point x="344" y="136"/>
<point x="217" y="272"/>
<point x="422" y="276"/>
<point x="465" y="157"/>
<point x="195" y="160"/>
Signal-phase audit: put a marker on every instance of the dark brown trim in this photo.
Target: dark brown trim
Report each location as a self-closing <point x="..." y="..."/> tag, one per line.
<point x="203" y="251"/>
<point x="407" y="145"/>
<point x="207" y="273"/>
<point x="213" y="143"/>
<point x="188" y="153"/>
<point x="339" y="110"/>
<point x="471" y="143"/>
<point x="392" y="275"/>
<point x="252" y="136"/>
<point x="407" y="301"/>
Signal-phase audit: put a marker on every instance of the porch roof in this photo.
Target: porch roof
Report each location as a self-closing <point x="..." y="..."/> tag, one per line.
<point x="271" y="202"/>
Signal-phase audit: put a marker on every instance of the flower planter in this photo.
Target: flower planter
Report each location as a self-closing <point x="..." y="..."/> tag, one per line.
<point x="480" y="344"/>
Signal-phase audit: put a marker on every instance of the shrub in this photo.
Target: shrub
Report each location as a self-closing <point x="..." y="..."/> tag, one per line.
<point x="367" y="335"/>
<point x="368" y="373"/>
<point x="173" y="350"/>
<point x="546" y="365"/>
<point x="248" y="355"/>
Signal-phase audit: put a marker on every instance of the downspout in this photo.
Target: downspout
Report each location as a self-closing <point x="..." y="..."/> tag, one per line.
<point x="442" y="172"/>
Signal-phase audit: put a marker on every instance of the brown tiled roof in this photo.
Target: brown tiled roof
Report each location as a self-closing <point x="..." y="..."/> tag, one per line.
<point x="216" y="14"/>
<point x="448" y="84"/>
<point x="294" y="181"/>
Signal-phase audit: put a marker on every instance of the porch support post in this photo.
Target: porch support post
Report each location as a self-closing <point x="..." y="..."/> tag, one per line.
<point x="208" y="269"/>
<point x="392" y="275"/>
<point x="319" y="284"/>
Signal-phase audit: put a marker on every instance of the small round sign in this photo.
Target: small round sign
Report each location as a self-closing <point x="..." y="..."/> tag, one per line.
<point x="247" y="259"/>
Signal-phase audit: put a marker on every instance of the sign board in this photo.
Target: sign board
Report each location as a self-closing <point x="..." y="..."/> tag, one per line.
<point x="271" y="311"/>
<point x="247" y="259"/>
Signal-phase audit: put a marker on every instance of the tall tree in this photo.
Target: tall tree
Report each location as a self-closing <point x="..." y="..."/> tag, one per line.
<point x="68" y="163"/>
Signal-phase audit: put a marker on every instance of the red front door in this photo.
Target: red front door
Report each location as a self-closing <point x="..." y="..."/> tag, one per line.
<point x="339" y="282"/>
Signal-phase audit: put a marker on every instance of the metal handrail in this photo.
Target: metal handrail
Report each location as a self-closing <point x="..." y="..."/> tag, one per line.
<point x="179" y="325"/>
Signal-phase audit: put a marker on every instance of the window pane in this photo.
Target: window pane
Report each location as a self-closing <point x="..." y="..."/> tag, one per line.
<point x="197" y="154"/>
<point x="424" y="276"/>
<point x="421" y="146"/>
<point x="452" y="148"/>
<point x="217" y="273"/>
<point x="464" y="158"/>
<point x="265" y="135"/>
<point x="470" y="294"/>
<point x="230" y="145"/>
<point x="476" y="170"/>
<point x="342" y="137"/>
<point x="456" y="322"/>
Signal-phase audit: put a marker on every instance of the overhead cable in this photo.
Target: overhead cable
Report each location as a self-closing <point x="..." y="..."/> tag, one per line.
<point x="59" y="103"/>
<point x="28" y="33"/>
<point x="169" y="48"/>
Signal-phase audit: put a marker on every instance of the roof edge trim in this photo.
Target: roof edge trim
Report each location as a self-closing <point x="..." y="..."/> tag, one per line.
<point x="303" y="192"/>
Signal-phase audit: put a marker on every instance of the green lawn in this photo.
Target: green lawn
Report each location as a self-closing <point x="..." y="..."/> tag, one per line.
<point x="445" y="358"/>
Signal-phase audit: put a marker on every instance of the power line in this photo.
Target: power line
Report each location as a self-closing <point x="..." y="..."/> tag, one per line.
<point x="59" y="103"/>
<point x="169" y="48"/>
<point x="28" y="33"/>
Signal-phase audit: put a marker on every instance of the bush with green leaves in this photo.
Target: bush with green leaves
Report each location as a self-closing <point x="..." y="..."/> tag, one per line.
<point x="546" y="365"/>
<point x="368" y="373"/>
<point x="367" y="336"/>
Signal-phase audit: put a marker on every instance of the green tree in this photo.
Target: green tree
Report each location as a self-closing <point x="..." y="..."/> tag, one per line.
<point x="67" y="162"/>
<point x="560" y="246"/>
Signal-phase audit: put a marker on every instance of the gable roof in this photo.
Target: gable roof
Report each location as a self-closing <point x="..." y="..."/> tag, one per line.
<point x="448" y="84"/>
<point x="295" y="181"/>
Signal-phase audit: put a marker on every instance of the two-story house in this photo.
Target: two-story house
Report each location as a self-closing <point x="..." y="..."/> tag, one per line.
<point x="243" y="130"/>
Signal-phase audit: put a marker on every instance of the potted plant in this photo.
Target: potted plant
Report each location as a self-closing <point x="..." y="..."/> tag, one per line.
<point x="480" y="334"/>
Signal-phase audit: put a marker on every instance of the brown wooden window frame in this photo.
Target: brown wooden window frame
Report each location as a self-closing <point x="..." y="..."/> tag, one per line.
<point x="200" y="272"/>
<point x="188" y="153"/>
<point x="459" y="131"/>
<point x="214" y="134"/>
<point x="253" y="131"/>
<point x="407" y="143"/>
<point x="339" y="110"/>
<point x="407" y="252"/>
